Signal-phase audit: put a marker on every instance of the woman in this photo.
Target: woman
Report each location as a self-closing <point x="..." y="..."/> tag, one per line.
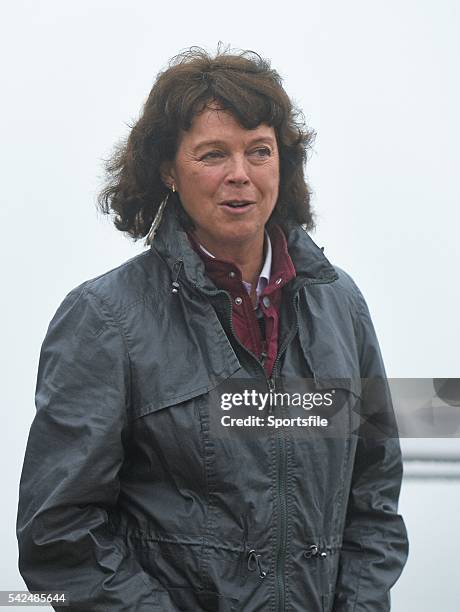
<point x="130" y="498"/>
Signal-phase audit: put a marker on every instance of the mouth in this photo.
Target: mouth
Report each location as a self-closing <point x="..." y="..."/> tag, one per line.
<point x="237" y="204"/>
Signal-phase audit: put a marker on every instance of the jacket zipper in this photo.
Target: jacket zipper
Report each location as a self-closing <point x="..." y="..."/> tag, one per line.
<point x="280" y="592"/>
<point x="281" y="544"/>
<point x="281" y="462"/>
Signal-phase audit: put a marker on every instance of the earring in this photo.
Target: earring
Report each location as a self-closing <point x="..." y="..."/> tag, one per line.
<point x="157" y="220"/>
<point x="173" y="188"/>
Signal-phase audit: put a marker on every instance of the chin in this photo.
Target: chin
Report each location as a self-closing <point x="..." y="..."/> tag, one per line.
<point x="239" y="237"/>
<point x="242" y="230"/>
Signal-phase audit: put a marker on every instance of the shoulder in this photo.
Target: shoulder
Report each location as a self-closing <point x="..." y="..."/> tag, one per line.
<point x="113" y="293"/>
<point x="125" y="284"/>
<point x="341" y="291"/>
<point x="347" y="287"/>
<point x="342" y="302"/>
<point x="359" y="310"/>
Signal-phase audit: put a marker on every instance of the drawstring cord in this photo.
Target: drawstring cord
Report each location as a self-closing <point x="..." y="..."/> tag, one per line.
<point x="313" y="551"/>
<point x="177" y="268"/>
<point x="254" y="563"/>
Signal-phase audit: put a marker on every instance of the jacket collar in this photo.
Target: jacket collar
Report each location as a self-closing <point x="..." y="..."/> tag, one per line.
<point x="311" y="264"/>
<point x="173" y="245"/>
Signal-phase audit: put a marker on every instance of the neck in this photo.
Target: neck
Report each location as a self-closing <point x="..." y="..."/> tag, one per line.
<point x="247" y="257"/>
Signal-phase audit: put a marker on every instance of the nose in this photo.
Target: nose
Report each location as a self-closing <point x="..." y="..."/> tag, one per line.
<point x="237" y="173"/>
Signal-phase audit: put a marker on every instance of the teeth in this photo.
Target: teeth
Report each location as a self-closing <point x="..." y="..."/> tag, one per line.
<point x="236" y="204"/>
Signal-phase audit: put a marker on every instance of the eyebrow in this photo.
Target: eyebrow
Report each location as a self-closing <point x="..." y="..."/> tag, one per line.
<point x="217" y="143"/>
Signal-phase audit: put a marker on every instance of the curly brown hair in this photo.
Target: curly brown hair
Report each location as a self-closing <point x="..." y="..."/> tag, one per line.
<point x="242" y="83"/>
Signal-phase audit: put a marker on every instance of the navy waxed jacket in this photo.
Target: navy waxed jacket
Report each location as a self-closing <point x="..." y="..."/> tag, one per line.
<point x="130" y="500"/>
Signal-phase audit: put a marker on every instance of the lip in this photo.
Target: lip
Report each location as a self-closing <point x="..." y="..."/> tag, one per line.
<point x="237" y="211"/>
<point x="239" y="200"/>
<point x="225" y="204"/>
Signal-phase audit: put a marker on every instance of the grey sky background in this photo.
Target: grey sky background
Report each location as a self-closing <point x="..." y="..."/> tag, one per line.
<point x="378" y="81"/>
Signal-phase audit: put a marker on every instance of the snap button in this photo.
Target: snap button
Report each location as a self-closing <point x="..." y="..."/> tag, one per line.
<point x="232" y="274"/>
<point x="238" y="301"/>
<point x="266" y="301"/>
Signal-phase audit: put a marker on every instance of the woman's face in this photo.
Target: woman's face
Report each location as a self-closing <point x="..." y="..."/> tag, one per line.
<point x="227" y="178"/>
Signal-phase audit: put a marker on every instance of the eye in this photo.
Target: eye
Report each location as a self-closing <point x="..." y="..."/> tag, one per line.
<point x="211" y="155"/>
<point x="262" y="152"/>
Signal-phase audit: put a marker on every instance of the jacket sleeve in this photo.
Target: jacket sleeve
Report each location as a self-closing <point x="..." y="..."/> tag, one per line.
<point x="375" y="544"/>
<point x="69" y="480"/>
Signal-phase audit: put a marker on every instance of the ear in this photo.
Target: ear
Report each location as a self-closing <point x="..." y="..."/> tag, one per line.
<point x="167" y="174"/>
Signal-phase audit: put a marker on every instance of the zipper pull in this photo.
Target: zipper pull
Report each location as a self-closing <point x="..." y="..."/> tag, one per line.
<point x="263" y="357"/>
<point x="263" y="352"/>
<point x="271" y="389"/>
<point x="254" y="563"/>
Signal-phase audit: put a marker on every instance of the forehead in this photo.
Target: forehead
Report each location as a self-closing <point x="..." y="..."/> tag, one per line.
<point x="215" y="124"/>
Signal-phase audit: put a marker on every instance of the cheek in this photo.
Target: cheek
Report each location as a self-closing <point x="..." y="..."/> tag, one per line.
<point x="269" y="182"/>
<point x="205" y="177"/>
<point x="198" y="189"/>
<point x="211" y="178"/>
